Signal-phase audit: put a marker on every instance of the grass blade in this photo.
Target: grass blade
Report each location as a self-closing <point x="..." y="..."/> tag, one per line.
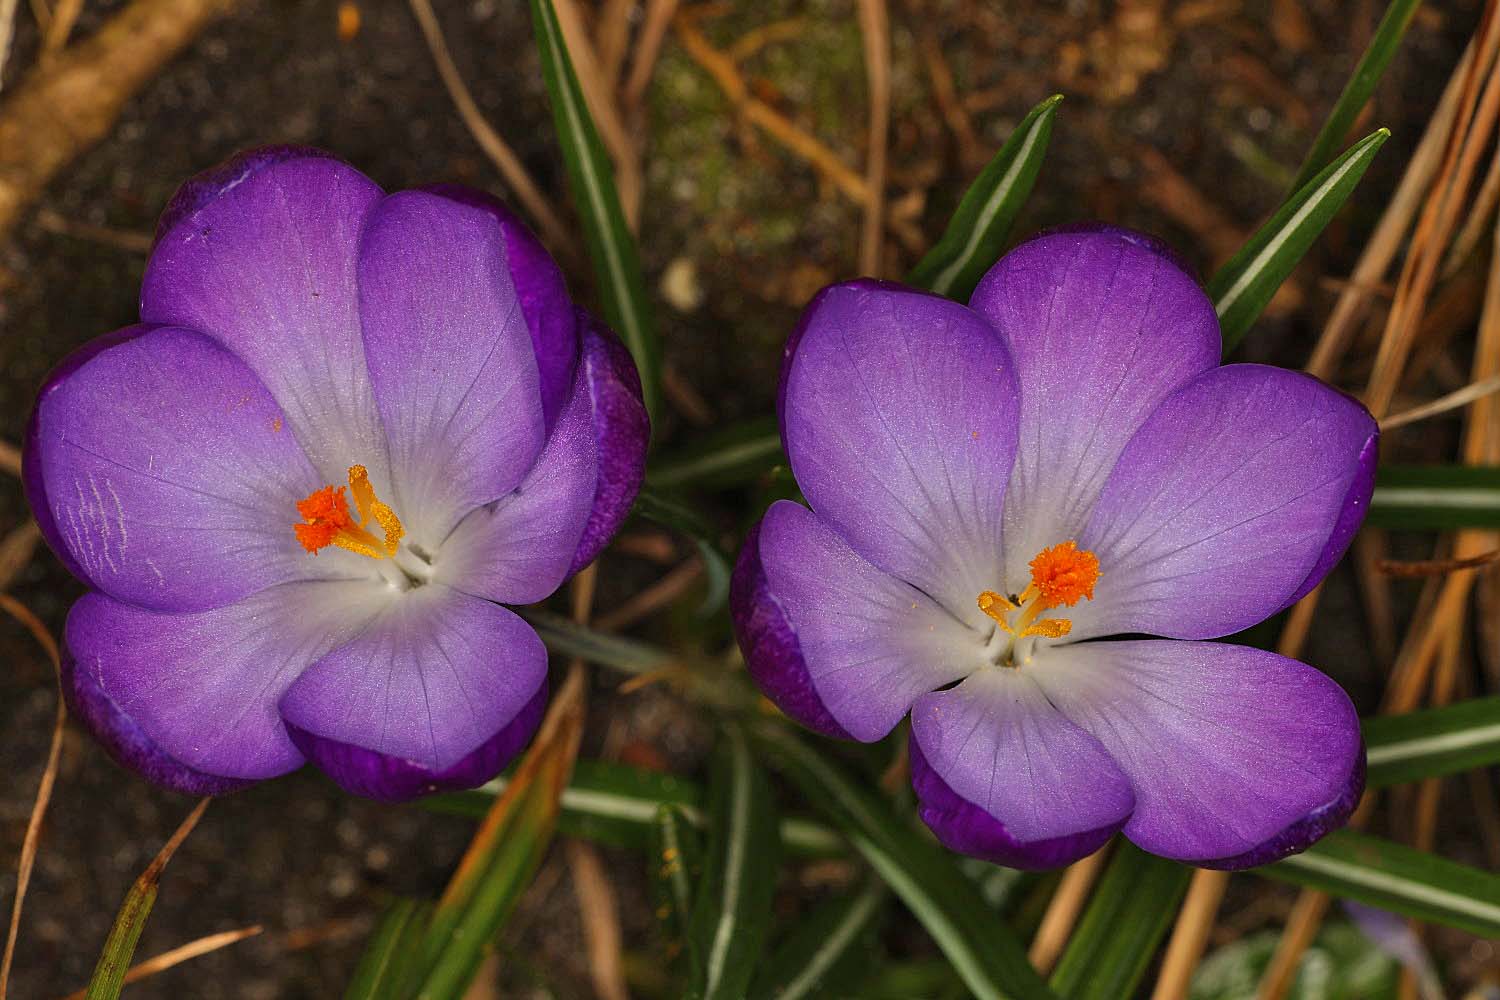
<point x="981" y="948"/>
<point x="504" y="854"/>
<point x="1357" y="91"/>
<point x="681" y="518"/>
<point x="1436" y="497"/>
<point x="617" y="264"/>
<point x="729" y="457"/>
<point x="828" y="952"/>
<point x="676" y="870"/>
<point x="977" y="230"/>
<point x="1124" y="923"/>
<point x="119" y="947"/>
<point x="392" y="948"/>
<point x="617" y="804"/>
<point x="567" y="638"/>
<point x="1433" y="742"/>
<point x="1398" y="878"/>
<point x="1242" y="287"/>
<point x="732" y="910"/>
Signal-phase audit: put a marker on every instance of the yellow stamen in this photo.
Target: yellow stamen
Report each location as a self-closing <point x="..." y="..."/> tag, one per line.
<point x="1061" y="575"/>
<point x="326" y="519"/>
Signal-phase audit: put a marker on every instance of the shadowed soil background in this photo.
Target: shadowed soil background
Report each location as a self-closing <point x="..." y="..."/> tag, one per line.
<point x="1185" y="119"/>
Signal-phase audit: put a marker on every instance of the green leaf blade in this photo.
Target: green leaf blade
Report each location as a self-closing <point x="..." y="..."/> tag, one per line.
<point x="827" y="953"/>
<point x="1242" y="287"/>
<point x="392" y="949"/>
<point x="1357" y="91"/>
<point x="1432" y="742"/>
<point x="1398" y="878"/>
<point x="732" y="911"/>
<point x="1435" y="497"/>
<point x="612" y="250"/>
<point x="976" y="232"/>
<point x="983" y="950"/>
<point x="1125" y="921"/>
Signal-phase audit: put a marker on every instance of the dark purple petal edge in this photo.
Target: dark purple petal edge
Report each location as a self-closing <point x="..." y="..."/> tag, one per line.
<point x="392" y="779"/>
<point x="622" y="433"/>
<point x="1356" y="506"/>
<point x="32" y="482"/>
<point x="772" y="653"/>
<point x="127" y="744"/>
<point x="204" y="187"/>
<point x="543" y="293"/>
<point x="1305" y="832"/>
<point x="964" y="827"/>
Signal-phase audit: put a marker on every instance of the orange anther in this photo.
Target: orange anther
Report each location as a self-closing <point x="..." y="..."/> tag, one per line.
<point x="1064" y="574"/>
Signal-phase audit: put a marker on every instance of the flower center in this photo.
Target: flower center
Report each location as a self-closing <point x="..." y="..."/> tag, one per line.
<point x="326" y="519"/>
<point x="1061" y="575"/>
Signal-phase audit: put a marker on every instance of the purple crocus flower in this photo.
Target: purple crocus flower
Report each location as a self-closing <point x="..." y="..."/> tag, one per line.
<point x="349" y="428"/>
<point x="992" y="488"/>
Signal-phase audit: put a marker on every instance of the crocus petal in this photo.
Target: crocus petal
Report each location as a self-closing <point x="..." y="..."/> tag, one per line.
<point x="200" y="690"/>
<point x="1237" y="756"/>
<point x="439" y="676"/>
<point x="169" y="478"/>
<point x="1102" y="324"/>
<point x="898" y="413"/>
<point x="32" y="480"/>
<point x="395" y="779"/>
<point x="90" y="703"/>
<point x="834" y="641"/>
<point x="521" y="548"/>
<point x="543" y="293"/>
<point x="260" y="255"/>
<point x="1002" y="775"/>
<point x="451" y="359"/>
<point x="1225" y="504"/>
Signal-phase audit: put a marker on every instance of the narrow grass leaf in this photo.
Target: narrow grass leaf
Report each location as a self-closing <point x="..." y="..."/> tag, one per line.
<point x="976" y="232"/>
<point x="676" y="870"/>
<point x="616" y="804"/>
<point x="732" y="456"/>
<point x="1357" y="91"/>
<point x="982" y="949"/>
<point x="1125" y="921"/>
<point x="567" y="638"/>
<point x="1436" y="497"/>
<point x="732" y="911"/>
<point x="613" y="251"/>
<point x="1242" y="287"/>
<point x="390" y="952"/>
<point x="674" y="514"/>
<point x="503" y="856"/>
<point x="1398" y="878"/>
<point x="119" y="947"/>
<point x="1432" y="742"/>
<point x="829" y="952"/>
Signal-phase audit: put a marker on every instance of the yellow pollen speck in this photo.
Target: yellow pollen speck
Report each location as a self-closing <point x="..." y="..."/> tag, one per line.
<point x="1061" y="575"/>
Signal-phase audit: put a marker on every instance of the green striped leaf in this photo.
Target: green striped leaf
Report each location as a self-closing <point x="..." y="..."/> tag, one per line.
<point x="391" y="951"/>
<point x="1242" y="287"/>
<point x="828" y="953"/>
<point x="982" y="949"/>
<point x="1433" y="742"/>
<point x="976" y="232"/>
<point x="617" y="265"/>
<point x="1122" y="927"/>
<point x="617" y="804"/>
<point x="1436" y="497"/>
<point x="567" y="638"/>
<point x="728" y="457"/>
<point x="679" y="517"/>
<point x="1357" y="91"/>
<point x="1398" y="878"/>
<point x="732" y="911"/>
<point x="676" y="869"/>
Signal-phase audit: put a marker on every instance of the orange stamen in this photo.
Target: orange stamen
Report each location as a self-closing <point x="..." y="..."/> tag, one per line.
<point x="327" y="521"/>
<point x="1064" y="574"/>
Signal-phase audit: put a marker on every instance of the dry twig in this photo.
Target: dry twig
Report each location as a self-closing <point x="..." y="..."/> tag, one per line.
<point x="601" y="920"/>
<point x="876" y="31"/>
<point x="178" y="955"/>
<point x="1063" y="910"/>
